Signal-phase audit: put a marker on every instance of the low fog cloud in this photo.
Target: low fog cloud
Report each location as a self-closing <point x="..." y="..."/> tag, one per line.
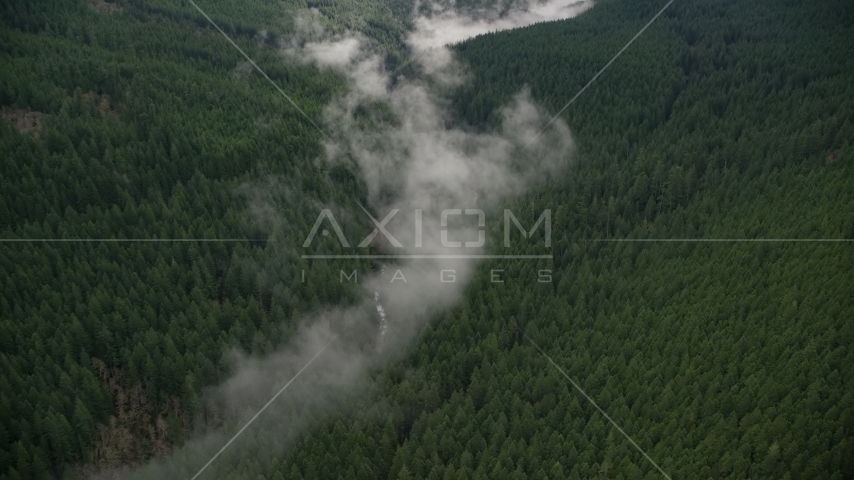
<point x="398" y="136"/>
<point x="411" y="159"/>
<point x="448" y="26"/>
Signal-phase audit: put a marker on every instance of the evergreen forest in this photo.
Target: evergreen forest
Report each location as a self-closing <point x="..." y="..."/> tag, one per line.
<point x="132" y="130"/>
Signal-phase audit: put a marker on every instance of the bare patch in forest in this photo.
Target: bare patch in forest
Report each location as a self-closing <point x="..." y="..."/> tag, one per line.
<point x="25" y="121"/>
<point x="133" y="433"/>
<point x="104" y="6"/>
<point x="105" y="105"/>
<point x="832" y="156"/>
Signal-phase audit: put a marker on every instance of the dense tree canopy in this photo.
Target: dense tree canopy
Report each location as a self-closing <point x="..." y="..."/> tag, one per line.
<point x="724" y="120"/>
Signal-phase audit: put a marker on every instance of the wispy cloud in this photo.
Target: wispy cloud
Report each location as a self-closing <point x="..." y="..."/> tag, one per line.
<point x="399" y="136"/>
<point x="449" y="25"/>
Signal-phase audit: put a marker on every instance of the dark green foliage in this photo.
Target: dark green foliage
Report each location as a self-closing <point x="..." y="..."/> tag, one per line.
<point x="152" y="129"/>
<point x="724" y="120"/>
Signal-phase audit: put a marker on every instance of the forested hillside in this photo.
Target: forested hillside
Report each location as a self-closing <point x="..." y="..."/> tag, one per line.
<point x="725" y="120"/>
<point x="148" y="126"/>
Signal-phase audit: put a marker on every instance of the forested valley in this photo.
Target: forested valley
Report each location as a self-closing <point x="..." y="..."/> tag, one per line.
<point x="136" y="119"/>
